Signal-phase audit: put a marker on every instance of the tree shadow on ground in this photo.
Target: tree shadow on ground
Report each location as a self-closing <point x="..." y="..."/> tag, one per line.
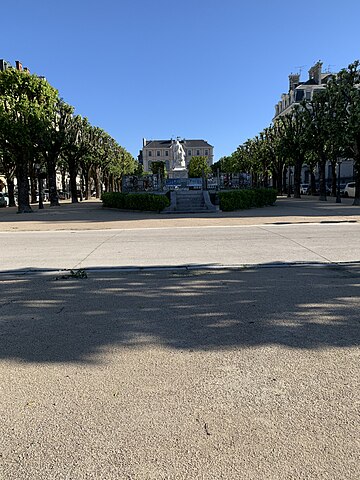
<point x="50" y="319"/>
<point x="92" y="212"/>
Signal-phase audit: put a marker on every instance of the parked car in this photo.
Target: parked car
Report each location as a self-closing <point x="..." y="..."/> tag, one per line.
<point x="342" y="189"/>
<point x="349" y="190"/>
<point x="3" y="200"/>
<point x="317" y="190"/>
<point x="62" y="195"/>
<point x="304" y="188"/>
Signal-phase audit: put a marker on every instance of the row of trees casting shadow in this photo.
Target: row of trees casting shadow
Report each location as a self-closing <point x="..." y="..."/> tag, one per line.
<point x="70" y="320"/>
<point x="40" y="135"/>
<point x="323" y="128"/>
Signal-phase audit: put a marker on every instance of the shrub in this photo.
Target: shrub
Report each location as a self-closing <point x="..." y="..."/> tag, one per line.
<point x="244" y="199"/>
<point x="135" y="201"/>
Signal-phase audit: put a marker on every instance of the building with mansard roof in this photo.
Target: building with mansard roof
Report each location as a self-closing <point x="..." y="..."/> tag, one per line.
<point x="160" y="151"/>
<point x="299" y="91"/>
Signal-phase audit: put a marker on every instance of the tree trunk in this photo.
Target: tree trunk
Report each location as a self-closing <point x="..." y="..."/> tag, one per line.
<point x="357" y="172"/>
<point x="23" y="186"/>
<point x="97" y="182"/>
<point x="312" y="183"/>
<point x="297" y="178"/>
<point x="322" y="165"/>
<point x="333" y="179"/>
<point x="81" y="186"/>
<point x="11" y="190"/>
<point x="357" y="181"/>
<point x="33" y="183"/>
<point x="87" y="186"/>
<point x="73" y="175"/>
<point x="266" y="180"/>
<point x="53" y="195"/>
<point x="284" y="179"/>
<point x="254" y="180"/>
<point x="106" y="181"/>
<point x="63" y="182"/>
<point x="279" y="184"/>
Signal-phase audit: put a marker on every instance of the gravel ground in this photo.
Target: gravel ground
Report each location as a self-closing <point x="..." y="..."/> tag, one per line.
<point x="241" y="374"/>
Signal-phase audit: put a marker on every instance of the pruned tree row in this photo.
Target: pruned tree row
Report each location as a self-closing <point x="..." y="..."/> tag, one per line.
<point x="40" y="133"/>
<point x="325" y="128"/>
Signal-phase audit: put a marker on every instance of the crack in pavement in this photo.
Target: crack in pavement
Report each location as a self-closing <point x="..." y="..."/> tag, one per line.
<point x="94" y="250"/>
<point x="296" y="243"/>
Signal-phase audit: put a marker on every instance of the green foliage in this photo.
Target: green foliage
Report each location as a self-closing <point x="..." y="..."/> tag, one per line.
<point x="158" y="167"/>
<point x="135" y="201"/>
<point x="244" y="199"/>
<point x="139" y="169"/>
<point x="198" y="167"/>
<point x="27" y="105"/>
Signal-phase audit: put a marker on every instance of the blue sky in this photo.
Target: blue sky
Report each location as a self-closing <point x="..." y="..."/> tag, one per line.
<point x="190" y="68"/>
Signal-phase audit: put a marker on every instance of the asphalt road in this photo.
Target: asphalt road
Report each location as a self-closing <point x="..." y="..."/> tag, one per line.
<point x="174" y="246"/>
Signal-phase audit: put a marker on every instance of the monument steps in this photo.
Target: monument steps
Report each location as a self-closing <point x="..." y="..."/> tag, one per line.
<point x="190" y="201"/>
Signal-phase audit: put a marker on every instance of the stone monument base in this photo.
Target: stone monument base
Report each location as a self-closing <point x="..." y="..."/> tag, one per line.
<point x="178" y="173"/>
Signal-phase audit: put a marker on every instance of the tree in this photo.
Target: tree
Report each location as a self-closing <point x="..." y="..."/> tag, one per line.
<point x="275" y="154"/>
<point x="53" y="142"/>
<point x="77" y="147"/>
<point x="8" y="167"/>
<point x="344" y="97"/>
<point x="293" y="131"/>
<point x="158" y="168"/>
<point x="27" y="103"/>
<point x="198" y="167"/>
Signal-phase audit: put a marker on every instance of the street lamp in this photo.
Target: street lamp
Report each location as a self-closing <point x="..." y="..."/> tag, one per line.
<point x="338" y="197"/>
<point x="38" y="172"/>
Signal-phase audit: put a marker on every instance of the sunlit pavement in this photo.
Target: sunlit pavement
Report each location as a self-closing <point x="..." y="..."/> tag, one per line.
<point x="89" y="215"/>
<point x="241" y="373"/>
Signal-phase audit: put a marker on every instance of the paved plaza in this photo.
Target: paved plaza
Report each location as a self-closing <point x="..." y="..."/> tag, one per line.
<point x="210" y="372"/>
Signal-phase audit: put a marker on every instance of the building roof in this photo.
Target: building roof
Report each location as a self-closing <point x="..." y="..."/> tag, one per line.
<point x="186" y="143"/>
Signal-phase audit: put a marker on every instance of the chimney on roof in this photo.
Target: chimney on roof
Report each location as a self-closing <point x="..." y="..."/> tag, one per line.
<point x="294" y="80"/>
<point x="144" y="142"/>
<point x="315" y="72"/>
<point x="18" y="65"/>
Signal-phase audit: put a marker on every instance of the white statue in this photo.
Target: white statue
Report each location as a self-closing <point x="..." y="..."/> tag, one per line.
<point x="178" y="154"/>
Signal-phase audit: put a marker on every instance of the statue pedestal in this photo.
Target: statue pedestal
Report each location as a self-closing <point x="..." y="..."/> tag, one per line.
<point x="178" y="172"/>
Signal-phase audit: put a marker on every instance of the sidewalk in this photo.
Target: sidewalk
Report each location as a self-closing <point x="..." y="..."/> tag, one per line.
<point x="181" y="375"/>
<point x="89" y="215"/>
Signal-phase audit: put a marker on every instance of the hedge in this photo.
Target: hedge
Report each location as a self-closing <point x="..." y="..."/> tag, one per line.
<point x="243" y="199"/>
<point x="135" y="201"/>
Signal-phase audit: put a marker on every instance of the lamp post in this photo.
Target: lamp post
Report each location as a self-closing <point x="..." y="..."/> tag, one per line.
<point x="38" y="172"/>
<point x="338" y="197"/>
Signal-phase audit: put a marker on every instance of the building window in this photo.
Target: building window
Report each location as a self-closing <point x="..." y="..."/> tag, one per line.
<point x="189" y="153"/>
<point x="150" y="154"/>
<point x="197" y="152"/>
<point x="158" y="153"/>
<point x="166" y="153"/>
<point x="308" y="95"/>
<point x="206" y="152"/>
<point x="167" y="163"/>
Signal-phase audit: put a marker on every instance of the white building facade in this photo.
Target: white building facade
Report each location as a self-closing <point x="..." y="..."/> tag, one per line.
<point x="160" y="151"/>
